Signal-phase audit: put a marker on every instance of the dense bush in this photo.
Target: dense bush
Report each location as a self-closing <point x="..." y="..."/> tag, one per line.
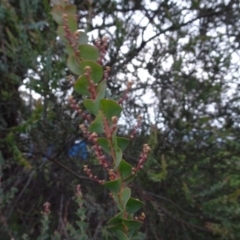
<point x="183" y="59"/>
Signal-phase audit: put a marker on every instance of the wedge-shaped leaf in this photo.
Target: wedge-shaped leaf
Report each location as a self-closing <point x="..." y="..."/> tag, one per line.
<point x="113" y="186"/>
<point x="121" y="235"/>
<point x="73" y="65"/>
<point x="79" y="68"/>
<point x="72" y="23"/>
<point x="57" y="15"/>
<point x="116" y="219"/>
<point x="100" y="94"/>
<point x="96" y="70"/>
<point x="133" y="205"/>
<point x="69" y="50"/>
<point x="97" y="124"/>
<point x="110" y="108"/>
<point x="70" y="9"/>
<point x="57" y="12"/>
<point x="142" y="235"/>
<point x="83" y="38"/>
<point x="126" y="172"/>
<point x="88" y="52"/>
<point x="119" y="155"/>
<point x="125" y="194"/>
<point x="81" y="85"/>
<point x="139" y="236"/>
<point x="60" y="33"/>
<point x="117" y="201"/>
<point x="122" y="142"/>
<point x="114" y="140"/>
<point x="91" y="105"/>
<point x="116" y="227"/>
<point x="101" y="90"/>
<point x="125" y="169"/>
<point x="129" y="179"/>
<point x="132" y="225"/>
<point x="103" y="142"/>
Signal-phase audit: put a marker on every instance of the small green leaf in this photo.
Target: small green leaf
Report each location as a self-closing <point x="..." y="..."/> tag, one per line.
<point x="91" y="106"/>
<point x="103" y="142"/>
<point x="57" y="15"/>
<point x="133" y="205"/>
<point x="110" y="108"/>
<point x="125" y="194"/>
<point x="73" y="65"/>
<point x="114" y="140"/>
<point x="129" y="179"/>
<point x="132" y="225"/>
<point x="139" y="236"/>
<point x="119" y="154"/>
<point x="83" y="38"/>
<point x="97" y="70"/>
<point x="113" y="186"/>
<point x="81" y="85"/>
<point x="121" y="235"/>
<point x="79" y="68"/>
<point x="101" y="90"/>
<point x="57" y="12"/>
<point x="70" y="9"/>
<point x="116" y="219"/>
<point x="97" y="124"/>
<point x="60" y="33"/>
<point x="72" y="23"/>
<point x="116" y="199"/>
<point x="88" y="52"/>
<point x="125" y="169"/>
<point x="116" y="227"/>
<point x="122" y="142"/>
<point x="69" y="50"/>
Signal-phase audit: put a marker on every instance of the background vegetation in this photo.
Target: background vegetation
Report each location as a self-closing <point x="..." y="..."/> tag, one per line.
<point x="184" y="59"/>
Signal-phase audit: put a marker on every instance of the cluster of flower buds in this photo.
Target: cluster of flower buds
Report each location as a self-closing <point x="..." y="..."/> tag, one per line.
<point x="134" y="131"/>
<point x="107" y="129"/>
<point x="71" y="37"/>
<point x="106" y="72"/>
<point x="112" y="174"/>
<point x="75" y="106"/>
<point x="114" y="125"/>
<point x="91" y="84"/>
<point x="46" y="208"/>
<point x="141" y="218"/>
<point x="102" y="45"/>
<point x="93" y="138"/>
<point x="142" y="159"/>
<point x="88" y="171"/>
<point x="125" y="95"/>
<point x="106" y="126"/>
<point x="98" y="151"/>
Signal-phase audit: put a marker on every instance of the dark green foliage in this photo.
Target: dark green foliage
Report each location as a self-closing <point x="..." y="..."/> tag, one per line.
<point x="191" y="193"/>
